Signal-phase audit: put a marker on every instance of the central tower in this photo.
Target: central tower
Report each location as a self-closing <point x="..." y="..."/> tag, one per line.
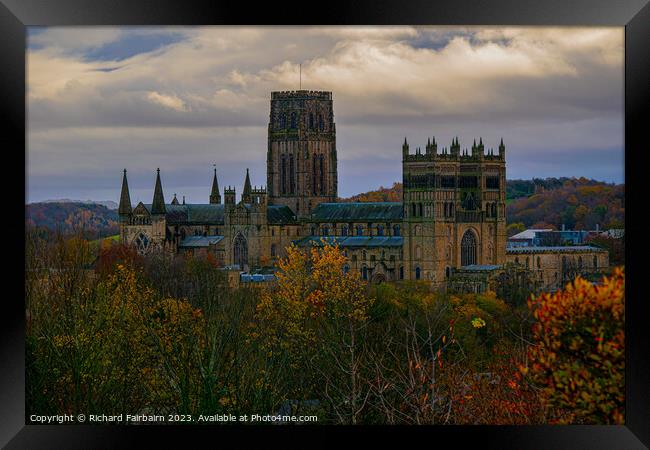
<point x="301" y="157"/>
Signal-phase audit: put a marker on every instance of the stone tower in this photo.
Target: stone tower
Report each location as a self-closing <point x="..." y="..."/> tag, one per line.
<point x="454" y="209"/>
<point x="301" y="157"/>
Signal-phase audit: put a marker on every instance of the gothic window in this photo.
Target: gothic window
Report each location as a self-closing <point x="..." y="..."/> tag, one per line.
<point x="142" y="243"/>
<point x="539" y="262"/>
<point x="311" y="121"/>
<point x="183" y="233"/>
<point x="283" y="120"/>
<point x="240" y="251"/>
<point x="396" y="230"/>
<point x="364" y="272"/>
<point x="313" y="231"/>
<point x="494" y="209"/>
<point x="595" y="262"/>
<point x="321" y="124"/>
<point x="283" y="174"/>
<point x="468" y="249"/>
<point x="416" y="230"/>
<point x="580" y="262"/>
<point x="313" y="174"/>
<point x="354" y="258"/>
<point x="447" y="271"/>
<point x="517" y="260"/>
<point x="292" y="177"/>
<point x="401" y="272"/>
<point x="359" y="230"/>
<point x="326" y="231"/>
<point x="418" y="252"/>
<point x="414" y="208"/>
<point x="487" y="210"/>
<point x="344" y="230"/>
<point x="294" y="120"/>
<point x="322" y="176"/>
<point x="364" y="255"/>
<point x="527" y="262"/>
<point x="380" y="230"/>
<point x="372" y="259"/>
<point x="420" y="210"/>
<point x="417" y="273"/>
<point x="273" y="250"/>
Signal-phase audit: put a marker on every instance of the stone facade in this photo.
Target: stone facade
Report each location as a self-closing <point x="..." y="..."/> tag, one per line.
<point x="452" y="215"/>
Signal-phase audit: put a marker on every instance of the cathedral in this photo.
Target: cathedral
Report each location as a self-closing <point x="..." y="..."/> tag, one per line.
<point x="452" y="218"/>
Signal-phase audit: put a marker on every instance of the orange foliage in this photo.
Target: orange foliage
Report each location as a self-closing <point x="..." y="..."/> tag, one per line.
<point x="579" y="359"/>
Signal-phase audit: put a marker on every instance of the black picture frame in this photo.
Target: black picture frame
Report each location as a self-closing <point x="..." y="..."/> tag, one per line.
<point x="15" y="15"/>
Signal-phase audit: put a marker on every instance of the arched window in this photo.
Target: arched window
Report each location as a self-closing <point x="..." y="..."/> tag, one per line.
<point x="416" y="230"/>
<point x="539" y="262"/>
<point x="372" y="258"/>
<point x="283" y="120"/>
<point x="401" y="272"/>
<point x="240" y="251"/>
<point x="396" y="230"/>
<point x="580" y="262"/>
<point x="516" y="260"/>
<point x="364" y="255"/>
<point x="414" y="210"/>
<point x="311" y="121"/>
<point x="364" y="272"/>
<point x="313" y="231"/>
<point x="595" y="262"/>
<point x="359" y="230"/>
<point x="418" y="252"/>
<point x="294" y="120"/>
<point x="447" y="272"/>
<point x="420" y="209"/>
<point x="527" y="262"/>
<point x="380" y="230"/>
<point x="468" y="249"/>
<point x="142" y="242"/>
<point x="417" y="273"/>
<point x="344" y="230"/>
<point x="273" y="250"/>
<point x="321" y="123"/>
<point x="326" y="231"/>
<point x="292" y="176"/>
<point x="494" y="209"/>
<point x="354" y="258"/>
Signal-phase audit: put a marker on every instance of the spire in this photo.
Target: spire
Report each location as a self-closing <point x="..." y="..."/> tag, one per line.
<point x="246" y="195"/>
<point x="174" y="200"/>
<point x="158" y="204"/>
<point x="125" y="199"/>
<point x="183" y="199"/>
<point x="215" y="196"/>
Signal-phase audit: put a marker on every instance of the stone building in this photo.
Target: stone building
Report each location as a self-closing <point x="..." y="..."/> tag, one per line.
<point x="452" y="215"/>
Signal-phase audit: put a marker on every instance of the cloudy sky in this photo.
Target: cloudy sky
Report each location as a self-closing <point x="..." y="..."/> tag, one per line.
<point x="101" y="99"/>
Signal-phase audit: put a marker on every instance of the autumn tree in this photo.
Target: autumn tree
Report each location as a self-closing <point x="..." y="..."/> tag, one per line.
<point x="579" y="354"/>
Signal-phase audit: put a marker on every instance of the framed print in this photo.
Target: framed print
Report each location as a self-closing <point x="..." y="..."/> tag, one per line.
<point x="377" y="217"/>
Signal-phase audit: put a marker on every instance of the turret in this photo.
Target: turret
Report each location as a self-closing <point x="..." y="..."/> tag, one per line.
<point x="502" y="150"/>
<point x="174" y="200"/>
<point x="432" y="147"/>
<point x="229" y="195"/>
<point x="246" y="195"/>
<point x="125" y="209"/>
<point x="215" y="196"/>
<point x="158" y="204"/>
<point x="405" y="149"/>
<point x="455" y="147"/>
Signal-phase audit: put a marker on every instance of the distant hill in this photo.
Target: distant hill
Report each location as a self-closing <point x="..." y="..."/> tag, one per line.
<point x="93" y="219"/>
<point x="578" y="203"/>
<point x="110" y="204"/>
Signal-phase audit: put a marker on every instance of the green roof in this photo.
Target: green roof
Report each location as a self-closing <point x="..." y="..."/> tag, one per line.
<point x="280" y="215"/>
<point x="213" y="214"/>
<point x="358" y="212"/>
<point x="351" y="241"/>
